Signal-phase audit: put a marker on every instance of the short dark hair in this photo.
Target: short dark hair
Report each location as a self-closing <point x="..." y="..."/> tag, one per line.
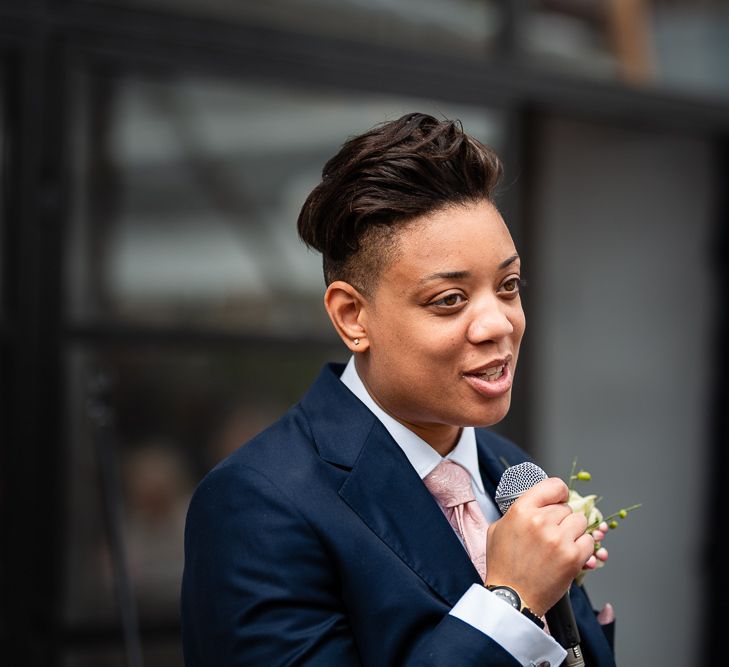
<point x="380" y="181"/>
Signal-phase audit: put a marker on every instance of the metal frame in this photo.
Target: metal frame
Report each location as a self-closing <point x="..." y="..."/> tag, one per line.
<point x="716" y="580"/>
<point x="43" y="41"/>
<point x="32" y="409"/>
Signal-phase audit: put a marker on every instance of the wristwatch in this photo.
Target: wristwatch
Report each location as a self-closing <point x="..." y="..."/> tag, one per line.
<point x="511" y="597"/>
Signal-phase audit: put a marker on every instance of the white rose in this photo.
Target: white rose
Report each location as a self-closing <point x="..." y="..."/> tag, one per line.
<point x="586" y="505"/>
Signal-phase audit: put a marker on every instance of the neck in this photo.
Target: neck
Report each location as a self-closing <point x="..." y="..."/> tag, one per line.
<point x="441" y="437"/>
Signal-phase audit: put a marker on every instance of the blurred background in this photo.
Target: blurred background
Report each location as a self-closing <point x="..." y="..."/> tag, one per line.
<point x="157" y="309"/>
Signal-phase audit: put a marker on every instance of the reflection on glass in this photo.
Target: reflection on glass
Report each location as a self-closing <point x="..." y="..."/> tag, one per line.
<point x="678" y="44"/>
<point x="187" y="194"/>
<point x="452" y="26"/>
<point x="692" y="45"/>
<point x="175" y="414"/>
<point x="605" y="38"/>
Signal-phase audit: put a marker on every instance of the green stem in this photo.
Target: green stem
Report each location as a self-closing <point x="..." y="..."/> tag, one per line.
<point x="572" y="473"/>
<point x="594" y="525"/>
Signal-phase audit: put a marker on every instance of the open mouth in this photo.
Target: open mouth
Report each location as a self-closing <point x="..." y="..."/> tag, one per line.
<point x="491" y="374"/>
<point x="493" y="380"/>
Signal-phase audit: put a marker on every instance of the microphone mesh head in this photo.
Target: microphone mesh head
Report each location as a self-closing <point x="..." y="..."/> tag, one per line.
<point x="515" y="481"/>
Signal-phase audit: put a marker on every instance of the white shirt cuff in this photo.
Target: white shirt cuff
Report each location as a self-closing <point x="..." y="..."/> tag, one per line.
<point x="507" y="627"/>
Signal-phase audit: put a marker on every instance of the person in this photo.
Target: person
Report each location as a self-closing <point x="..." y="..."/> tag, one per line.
<point x="345" y="534"/>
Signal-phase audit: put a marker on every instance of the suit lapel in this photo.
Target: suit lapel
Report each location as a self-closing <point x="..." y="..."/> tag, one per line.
<point x="389" y="496"/>
<point x="383" y="488"/>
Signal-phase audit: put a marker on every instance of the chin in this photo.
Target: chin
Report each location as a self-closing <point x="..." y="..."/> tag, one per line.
<point x="492" y="414"/>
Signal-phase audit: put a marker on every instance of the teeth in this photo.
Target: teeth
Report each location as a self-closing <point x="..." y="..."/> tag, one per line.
<point x="493" y="373"/>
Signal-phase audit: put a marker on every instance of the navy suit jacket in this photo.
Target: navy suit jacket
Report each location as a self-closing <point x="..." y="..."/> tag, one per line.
<point x="317" y="543"/>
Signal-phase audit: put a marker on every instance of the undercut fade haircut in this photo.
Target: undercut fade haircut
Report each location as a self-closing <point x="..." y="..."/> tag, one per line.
<point x="382" y="180"/>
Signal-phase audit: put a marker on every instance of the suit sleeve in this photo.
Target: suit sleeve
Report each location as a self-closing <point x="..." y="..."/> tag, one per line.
<point x="259" y="589"/>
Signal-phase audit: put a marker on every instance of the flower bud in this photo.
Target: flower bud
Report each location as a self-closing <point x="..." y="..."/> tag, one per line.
<point x="622" y="514"/>
<point x="584" y="476"/>
<point x="613" y="524"/>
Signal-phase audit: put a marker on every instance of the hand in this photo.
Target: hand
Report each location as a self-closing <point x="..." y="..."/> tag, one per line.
<point x="539" y="546"/>
<point x="599" y="558"/>
<point x="606" y="614"/>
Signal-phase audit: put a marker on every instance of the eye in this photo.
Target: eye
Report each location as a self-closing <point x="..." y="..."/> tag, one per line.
<point x="452" y="300"/>
<point x="513" y="285"/>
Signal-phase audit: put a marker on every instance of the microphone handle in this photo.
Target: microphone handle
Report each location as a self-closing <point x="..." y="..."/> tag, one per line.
<point x="562" y="624"/>
<point x="574" y="657"/>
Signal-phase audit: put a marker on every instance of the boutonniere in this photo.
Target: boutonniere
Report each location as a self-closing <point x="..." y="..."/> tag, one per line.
<point x="597" y="523"/>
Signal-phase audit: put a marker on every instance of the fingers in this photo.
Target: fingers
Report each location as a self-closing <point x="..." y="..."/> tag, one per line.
<point x="598" y="559"/>
<point x="539" y="545"/>
<point x="555" y="513"/>
<point x="551" y="491"/>
<point x="576" y="523"/>
<point x="606" y="615"/>
<point x="586" y="546"/>
<point x="600" y="532"/>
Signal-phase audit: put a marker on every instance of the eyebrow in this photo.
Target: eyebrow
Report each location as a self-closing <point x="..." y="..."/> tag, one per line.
<point x="447" y="275"/>
<point x="460" y="275"/>
<point x="508" y="261"/>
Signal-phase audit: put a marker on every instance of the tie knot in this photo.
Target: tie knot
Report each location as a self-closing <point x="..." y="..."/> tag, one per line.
<point x="449" y="484"/>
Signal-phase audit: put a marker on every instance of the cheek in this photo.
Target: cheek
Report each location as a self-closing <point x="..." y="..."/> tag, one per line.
<point x="522" y="328"/>
<point x="518" y="321"/>
<point x="418" y="346"/>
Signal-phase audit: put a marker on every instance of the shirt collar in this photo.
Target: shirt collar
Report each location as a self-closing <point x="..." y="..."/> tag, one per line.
<point x="420" y="454"/>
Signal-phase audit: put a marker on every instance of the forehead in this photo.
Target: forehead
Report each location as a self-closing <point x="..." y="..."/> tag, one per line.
<point x="458" y="238"/>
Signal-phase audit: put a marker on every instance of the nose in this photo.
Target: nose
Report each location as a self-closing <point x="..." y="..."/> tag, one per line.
<point x="491" y="322"/>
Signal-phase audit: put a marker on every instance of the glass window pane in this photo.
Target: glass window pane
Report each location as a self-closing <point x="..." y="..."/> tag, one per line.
<point x="678" y="44"/>
<point x="593" y="38"/>
<point x="174" y="414"/>
<point x="691" y="41"/>
<point x="460" y="26"/>
<point x="187" y="193"/>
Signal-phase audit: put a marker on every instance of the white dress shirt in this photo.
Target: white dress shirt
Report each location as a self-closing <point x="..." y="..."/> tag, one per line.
<point x="478" y="607"/>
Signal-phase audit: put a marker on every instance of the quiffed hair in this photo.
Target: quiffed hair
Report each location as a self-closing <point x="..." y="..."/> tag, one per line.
<point x="381" y="180"/>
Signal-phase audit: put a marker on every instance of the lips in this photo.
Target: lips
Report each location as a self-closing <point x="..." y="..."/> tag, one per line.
<point x="492" y="379"/>
<point x="492" y="374"/>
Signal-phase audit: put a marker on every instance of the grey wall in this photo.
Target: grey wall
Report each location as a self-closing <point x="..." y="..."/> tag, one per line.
<point x="620" y="301"/>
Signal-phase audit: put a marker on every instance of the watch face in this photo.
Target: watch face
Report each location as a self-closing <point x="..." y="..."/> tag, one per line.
<point x="508" y="596"/>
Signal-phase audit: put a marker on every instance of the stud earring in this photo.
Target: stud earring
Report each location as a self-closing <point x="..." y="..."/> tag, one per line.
<point x="356" y="341"/>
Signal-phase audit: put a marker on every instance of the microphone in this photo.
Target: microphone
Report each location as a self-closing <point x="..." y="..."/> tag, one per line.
<point x="515" y="481"/>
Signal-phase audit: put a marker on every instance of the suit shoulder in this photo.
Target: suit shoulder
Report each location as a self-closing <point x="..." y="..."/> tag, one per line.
<point x="283" y="446"/>
<point x="284" y="438"/>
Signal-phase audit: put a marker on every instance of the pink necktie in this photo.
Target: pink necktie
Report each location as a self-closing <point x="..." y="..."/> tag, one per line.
<point x="450" y="485"/>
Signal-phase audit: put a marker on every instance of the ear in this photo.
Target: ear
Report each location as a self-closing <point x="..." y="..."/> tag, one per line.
<point x="345" y="306"/>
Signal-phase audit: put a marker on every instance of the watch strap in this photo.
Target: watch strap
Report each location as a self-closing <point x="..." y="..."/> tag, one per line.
<point x="532" y="617"/>
<point x="523" y="608"/>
